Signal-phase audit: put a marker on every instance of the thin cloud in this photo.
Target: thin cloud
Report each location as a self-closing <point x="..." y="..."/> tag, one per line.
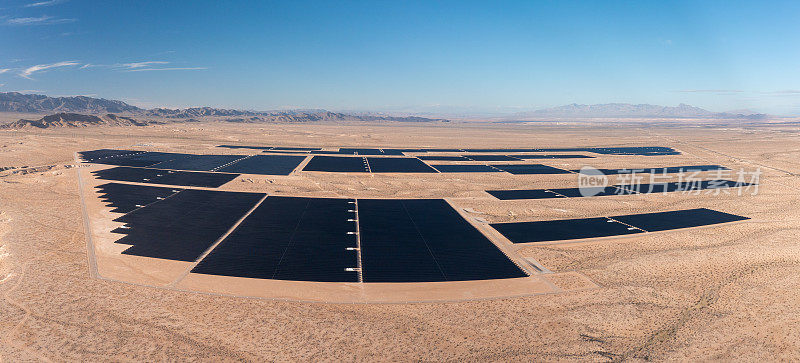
<point x="4" y="70"/>
<point x="41" y="20"/>
<point x="167" y="69"/>
<point x="44" y="3"/>
<point x="142" y="64"/>
<point x="785" y="92"/>
<point x="27" y="72"/>
<point x="711" y="91"/>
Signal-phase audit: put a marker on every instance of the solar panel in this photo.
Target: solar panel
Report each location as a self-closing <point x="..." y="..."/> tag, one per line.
<point x="124" y="198"/>
<point x="265" y="165"/>
<point x="661" y="221"/>
<point x="565" y="229"/>
<point x="442" y="158"/>
<point x="339" y="164"/>
<point x="398" y="165"/>
<point x="168" y="177"/>
<point x="570" y="229"/>
<point x="183" y="226"/>
<point x="198" y="162"/>
<point x="444" y="168"/>
<point x="518" y="169"/>
<point x="491" y="157"/>
<point x="420" y="240"/>
<point x="286" y="238"/>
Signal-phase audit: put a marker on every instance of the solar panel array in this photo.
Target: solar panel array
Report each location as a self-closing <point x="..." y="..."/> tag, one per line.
<point x="245" y="164"/>
<point x="571" y="229"/>
<point x="307" y="239"/>
<point x="625" y="150"/>
<point x="354" y="240"/>
<point x="183" y="226"/>
<point x="646" y="188"/>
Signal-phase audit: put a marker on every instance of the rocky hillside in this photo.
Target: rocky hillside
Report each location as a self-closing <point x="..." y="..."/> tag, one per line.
<point x="74" y="120"/>
<point x="18" y="102"/>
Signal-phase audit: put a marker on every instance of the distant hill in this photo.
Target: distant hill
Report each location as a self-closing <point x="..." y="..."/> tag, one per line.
<point x="24" y="103"/>
<point x="626" y="110"/>
<point x="74" y="120"/>
<point x="18" y="102"/>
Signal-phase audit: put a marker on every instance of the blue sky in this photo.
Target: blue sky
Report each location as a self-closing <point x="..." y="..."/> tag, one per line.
<point x="477" y="56"/>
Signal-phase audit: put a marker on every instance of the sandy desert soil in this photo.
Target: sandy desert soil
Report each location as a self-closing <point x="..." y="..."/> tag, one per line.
<point x="729" y="292"/>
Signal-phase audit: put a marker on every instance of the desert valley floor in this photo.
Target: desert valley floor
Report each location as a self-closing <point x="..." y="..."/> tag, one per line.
<point x="727" y="291"/>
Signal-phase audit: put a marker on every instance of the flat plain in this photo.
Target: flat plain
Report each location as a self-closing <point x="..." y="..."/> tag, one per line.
<point x="722" y="292"/>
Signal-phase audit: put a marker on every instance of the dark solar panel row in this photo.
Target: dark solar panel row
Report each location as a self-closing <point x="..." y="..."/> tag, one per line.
<point x="259" y="164"/>
<point x="265" y="165"/>
<point x="615" y="190"/>
<point x="570" y="229"/>
<point x="524" y="169"/>
<point x="245" y="147"/>
<point x="94" y="155"/>
<point x="635" y="150"/>
<point x="490" y="157"/>
<point x="663" y="170"/>
<point x="185" y="225"/>
<point x="442" y="158"/>
<point x="444" y="168"/>
<point x="554" y="156"/>
<point x="198" y="162"/>
<point x="299" y="239"/>
<point x="168" y="177"/>
<point x="340" y="164"/>
<point x="398" y="165"/>
<point x="124" y="198"/>
<point x="345" y="164"/>
<point x="359" y="151"/>
<point x="425" y="240"/>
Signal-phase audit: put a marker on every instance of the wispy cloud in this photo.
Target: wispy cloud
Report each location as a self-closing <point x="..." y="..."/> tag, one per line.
<point x="4" y="70"/>
<point x="41" y="20"/>
<point x="27" y="72"/>
<point x="711" y="91"/>
<point x="142" y="64"/>
<point x="44" y="3"/>
<point x="785" y="92"/>
<point x="167" y="69"/>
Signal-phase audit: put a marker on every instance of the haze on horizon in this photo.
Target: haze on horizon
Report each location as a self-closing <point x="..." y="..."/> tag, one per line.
<point x="416" y="56"/>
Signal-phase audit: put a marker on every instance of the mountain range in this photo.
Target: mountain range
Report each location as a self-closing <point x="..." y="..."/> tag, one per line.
<point x="67" y="107"/>
<point x="626" y="110"/>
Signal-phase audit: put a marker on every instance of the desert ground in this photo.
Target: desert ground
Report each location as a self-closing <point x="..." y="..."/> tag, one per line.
<point x="725" y="292"/>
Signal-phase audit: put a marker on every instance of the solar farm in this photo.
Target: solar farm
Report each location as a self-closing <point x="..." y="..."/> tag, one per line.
<point x="181" y="220"/>
<point x="356" y="241"/>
